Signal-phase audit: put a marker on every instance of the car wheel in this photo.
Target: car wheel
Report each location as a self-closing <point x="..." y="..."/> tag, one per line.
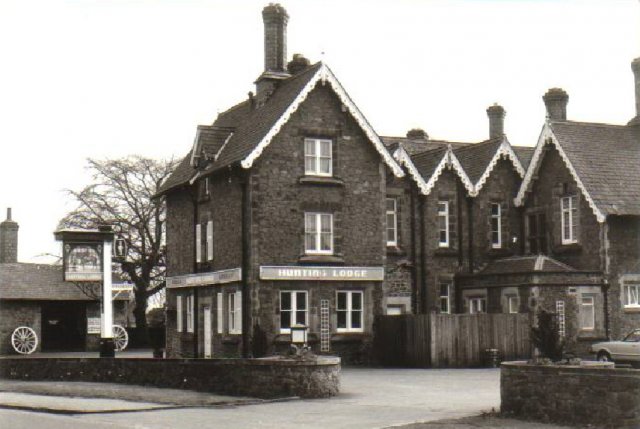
<point x="604" y="357"/>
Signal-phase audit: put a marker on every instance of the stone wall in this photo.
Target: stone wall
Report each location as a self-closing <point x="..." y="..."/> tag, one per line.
<point x="15" y="314"/>
<point x="571" y="394"/>
<point x="261" y="378"/>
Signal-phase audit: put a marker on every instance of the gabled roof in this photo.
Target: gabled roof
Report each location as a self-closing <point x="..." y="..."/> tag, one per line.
<point x="524" y="154"/>
<point x="603" y="159"/>
<point x="426" y="167"/>
<point x="524" y="264"/>
<point x="251" y="130"/>
<point x="38" y="282"/>
<point x="413" y="146"/>
<point x="479" y="159"/>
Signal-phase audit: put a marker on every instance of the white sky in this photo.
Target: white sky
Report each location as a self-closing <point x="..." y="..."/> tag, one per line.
<point x="105" y="78"/>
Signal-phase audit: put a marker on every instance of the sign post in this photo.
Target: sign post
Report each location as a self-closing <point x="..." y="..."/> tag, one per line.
<point x="87" y="258"/>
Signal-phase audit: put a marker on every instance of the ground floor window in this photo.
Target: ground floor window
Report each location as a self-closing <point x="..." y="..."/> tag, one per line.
<point x="179" y="313"/>
<point x="587" y="312"/>
<point x="631" y="295"/>
<point x="349" y="311"/>
<point x="293" y="310"/>
<point x="234" y="311"/>
<point x="477" y="304"/>
<point x="190" y="302"/>
<point x="513" y="303"/>
<point x="445" y="301"/>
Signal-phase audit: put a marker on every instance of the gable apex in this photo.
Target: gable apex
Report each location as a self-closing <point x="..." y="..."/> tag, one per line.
<point x="324" y="75"/>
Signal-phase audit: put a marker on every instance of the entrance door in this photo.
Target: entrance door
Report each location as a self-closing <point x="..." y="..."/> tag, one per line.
<point x="207" y="332"/>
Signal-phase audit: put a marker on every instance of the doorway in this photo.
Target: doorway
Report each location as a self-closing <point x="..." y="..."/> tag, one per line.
<point x="64" y="326"/>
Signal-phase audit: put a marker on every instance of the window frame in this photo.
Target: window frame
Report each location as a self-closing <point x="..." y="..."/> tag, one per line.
<point x="198" y="243"/>
<point x="234" y="313"/>
<point x="479" y="299"/>
<point x="583" y="305"/>
<point x="394" y="213"/>
<point x="317" y="157"/>
<point x="447" y="228"/>
<point x="513" y="299"/>
<point x="349" y="311"/>
<point x="626" y="295"/>
<point x="219" y="313"/>
<point x="179" y="311"/>
<point x="317" y="250"/>
<point x="445" y="298"/>
<point x="572" y="213"/>
<point x="498" y="230"/>
<point x="190" y="311"/>
<point x="294" y="309"/>
<point x="209" y="241"/>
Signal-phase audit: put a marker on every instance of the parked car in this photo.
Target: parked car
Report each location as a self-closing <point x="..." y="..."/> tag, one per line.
<point x="627" y="350"/>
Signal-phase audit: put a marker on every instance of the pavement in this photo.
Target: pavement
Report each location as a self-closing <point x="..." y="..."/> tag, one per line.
<point x="369" y="398"/>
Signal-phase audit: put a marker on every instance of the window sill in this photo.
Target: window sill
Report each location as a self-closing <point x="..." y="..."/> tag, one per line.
<point x="631" y="310"/>
<point x="286" y="339"/>
<point x="395" y="250"/>
<point x="321" y="180"/>
<point x="231" y="339"/>
<point x="567" y="248"/>
<point x="446" y="251"/>
<point x="321" y="259"/>
<point x="348" y="337"/>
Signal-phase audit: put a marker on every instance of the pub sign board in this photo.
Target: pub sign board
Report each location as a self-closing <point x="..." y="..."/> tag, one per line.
<point x="322" y="273"/>
<point x="82" y="253"/>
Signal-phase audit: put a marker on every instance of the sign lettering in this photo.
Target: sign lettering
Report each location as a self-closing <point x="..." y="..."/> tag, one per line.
<point x="322" y="273"/>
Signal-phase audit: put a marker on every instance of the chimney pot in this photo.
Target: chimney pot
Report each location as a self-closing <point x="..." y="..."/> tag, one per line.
<point x="496" y="115"/>
<point x="635" y="67"/>
<point x="556" y="100"/>
<point x="8" y="213"/>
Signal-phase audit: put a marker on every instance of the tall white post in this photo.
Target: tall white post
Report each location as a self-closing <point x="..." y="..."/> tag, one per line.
<point x="106" y="328"/>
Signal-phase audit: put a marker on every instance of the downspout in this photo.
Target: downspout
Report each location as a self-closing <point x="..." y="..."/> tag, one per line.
<point x="424" y="295"/>
<point x="414" y="251"/>
<point x="604" y="266"/>
<point x="523" y="221"/>
<point x="459" y="200"/>
<point x="246" y="262"/>
<point x="470" y="231"/>
<point x="195" y="270"/>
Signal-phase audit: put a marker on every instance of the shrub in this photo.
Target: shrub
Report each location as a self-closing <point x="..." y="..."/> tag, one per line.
<point x="546" y="337"/>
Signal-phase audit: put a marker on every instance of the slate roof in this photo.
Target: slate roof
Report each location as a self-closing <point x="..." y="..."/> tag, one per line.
<point x="606" y="158"/>
<point x="180" y="175"/>
<point x="413" y="146"/>
<point x="427" y="161"/>
<point x="475" y="158"/>
<point x="524" y="153"/>
<point x="39" y="282"/>
<point x="525" y="264"/>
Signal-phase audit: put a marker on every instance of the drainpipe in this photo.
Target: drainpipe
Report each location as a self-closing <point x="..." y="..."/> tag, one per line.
<point x="459" y="225"/>
<point x="246" y="263"/>
<point x="414" y="251"/>
<point x="424" y="295"/>
<point x="195" y="270"/>
<point x="604" y="267"/>
<point x="523" y="221"/>
<point x="470" y="231"/>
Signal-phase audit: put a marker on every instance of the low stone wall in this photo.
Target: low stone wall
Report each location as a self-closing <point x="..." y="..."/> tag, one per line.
<point x="260" y="378"/>
<point x="571" y="394"/>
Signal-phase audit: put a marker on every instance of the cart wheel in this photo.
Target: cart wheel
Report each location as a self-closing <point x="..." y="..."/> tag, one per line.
<point x="120" y="337"/>
<point x="24" y="340"/>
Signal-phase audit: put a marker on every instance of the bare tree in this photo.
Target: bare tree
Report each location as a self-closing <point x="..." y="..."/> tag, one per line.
<point x="122" y="195"/>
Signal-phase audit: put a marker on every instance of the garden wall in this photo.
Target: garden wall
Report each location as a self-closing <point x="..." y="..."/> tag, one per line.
<point x="571" y="394"/>
<point x="260" y="378"/>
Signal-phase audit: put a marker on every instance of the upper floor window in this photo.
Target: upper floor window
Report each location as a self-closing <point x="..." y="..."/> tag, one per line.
<point x="569" y="219"/>
<point x="445" y="302"/>
<point x="198" y="243"/>
<point x="392" y="222"/>
<point x="496" y="225"/>
<point x="318" y="233"/>
<point x="293" y="310"/>
<point x="210" y="240"/>
<point x="349" y="311"/>
<point x="318" y="157"/>
<point x="443" y="223"/>
<point x="537" y="227"/>
<point x="190" y="312"/>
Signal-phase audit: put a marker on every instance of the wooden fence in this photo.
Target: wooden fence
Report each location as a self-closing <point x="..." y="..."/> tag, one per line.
<point x="449" y="340"/>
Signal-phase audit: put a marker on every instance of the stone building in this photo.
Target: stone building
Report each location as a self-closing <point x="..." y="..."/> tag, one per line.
<point x="290" y="209"/>
<point x="63" y="315"/>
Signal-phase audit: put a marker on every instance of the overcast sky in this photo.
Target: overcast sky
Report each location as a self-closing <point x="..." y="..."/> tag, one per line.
<point x="111" y="78"/>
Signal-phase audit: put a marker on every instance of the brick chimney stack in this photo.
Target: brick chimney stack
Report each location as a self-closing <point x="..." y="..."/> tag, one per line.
<point x="496" y="115"/>
<point x="8" y="240"/>
<point x="556" y="100"/>
<point x="635" y="66"/>
<point x="275" y="19"/>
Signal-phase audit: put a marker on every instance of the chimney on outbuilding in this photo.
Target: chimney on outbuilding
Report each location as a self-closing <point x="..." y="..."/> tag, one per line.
<point x="275" y="19"/>
<point x="635" y="66"/>
<point x="556" y="100"/>
<point x="496" y="115"/>
<point x="8" y="240"/>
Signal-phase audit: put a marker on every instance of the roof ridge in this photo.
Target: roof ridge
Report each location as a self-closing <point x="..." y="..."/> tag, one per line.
<point x="597" y="124"/>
